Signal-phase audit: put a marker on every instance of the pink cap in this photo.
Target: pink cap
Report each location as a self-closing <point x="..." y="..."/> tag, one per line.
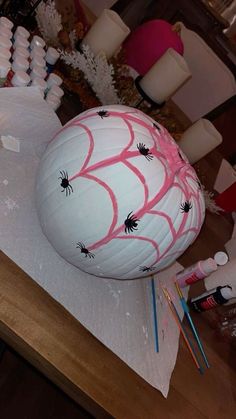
<point x="5" y="53"/>
<point x="4" y="21"/>
<point x="20" y="41"/>
<point x="20" y="30"/>
<point x="20" y="63"/>
<point x="5" y="42"/>
<point x="20" y="78"/>
<point x="209" y="265"/>
<point x="4" y="67"/>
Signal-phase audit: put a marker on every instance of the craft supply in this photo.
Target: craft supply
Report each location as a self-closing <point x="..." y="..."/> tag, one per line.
<point x="19" y="79"/>
<point x="165" y="77"/>
<point x="51" y="58"/>
<point x="182" y="330"/>
<point x="10" y="143"/>
<point x="38" y="72"/>
<point x="40" y="83"/>
<point x="154" y="308"/>
<point x="37" y="51"/>
<point x="190" y="321"/>
<point x="5" y="32"/>
<point x="20" y="63"/>
<point x="37" y="41"/>
<point x="106" y="34"/>
<point x="5" y="42"/>
<point x="194" y="273"/>
<point x="199" y="139"/>
<point x="5" y="67"/>
<point x="56" y="90"/>
<point x="224" y="275"/>
<point x="53" y="101"/>
<point x="221" y="258"/>
<point x="20" y="41"/>
<point x="5" y="53"/>
<point x="54" y="79"/>
<point x="37" y="61"/>
<point x="21" y="52"/>
<point x="20" y="30"/>
<point x="7" y="23"/>
<point x="213" y="298"/>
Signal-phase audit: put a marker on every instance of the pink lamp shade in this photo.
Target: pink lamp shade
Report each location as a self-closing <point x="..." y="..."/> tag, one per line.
<point x="149" y="42"/>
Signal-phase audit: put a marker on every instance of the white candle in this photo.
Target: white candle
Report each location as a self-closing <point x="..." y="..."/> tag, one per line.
<point x="5" y="42"/>
<point x="20" y="63"/>
<point x="6" y="23"/>
<point x="165" y="77"/>
<point x="199" y="139"/>
<point x="20" y="30"/>
<point x="107" y="33"/>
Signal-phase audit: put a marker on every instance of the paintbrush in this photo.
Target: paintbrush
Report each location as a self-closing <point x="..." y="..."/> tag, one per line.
<point x="190" y="321"/>
<point x="154" y="308"/>
<point x="182" y="330"/>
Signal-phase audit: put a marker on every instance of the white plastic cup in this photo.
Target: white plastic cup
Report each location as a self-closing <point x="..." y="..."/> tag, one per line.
<point x="20" y="63"/>
<point x="37" y="41"/>
<point x="5" y="32"/>
<point x="53" y="101"/>
<point x="20" y="79"/>
<point x="5" y="67"/>
<point x="54" y="79"/>
<point x="5" y="53"/>
<point x="20" y="30"/>
<point x="7" y="23"/>
<point x="56" y="91"/>
<point x="37" y="61"/>
<point x="21" y="52"/>
<point x="5" y="42"/>
<point x="40" y="83"/>
<point x="20" y="41"/>
<point x="38" y="72"/>
<point x="37" y="51"/>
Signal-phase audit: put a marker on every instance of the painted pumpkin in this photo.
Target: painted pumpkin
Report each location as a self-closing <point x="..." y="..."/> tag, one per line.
<point x="115" y="195"/>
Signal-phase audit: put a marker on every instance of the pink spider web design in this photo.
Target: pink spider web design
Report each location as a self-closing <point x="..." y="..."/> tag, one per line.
<point x="167" y="152"/>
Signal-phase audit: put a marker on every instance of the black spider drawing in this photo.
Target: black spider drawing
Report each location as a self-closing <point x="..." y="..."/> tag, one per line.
<point x="103" y="114"/>
<point x="156" y="126"/>
<point x="131" y="223"/>
<point x="186" y="206"/>
<point x="147" y="269"/>
<point x="65" y="184"/>
<point x="85" y="251"/>
<point x="144" y="151"/>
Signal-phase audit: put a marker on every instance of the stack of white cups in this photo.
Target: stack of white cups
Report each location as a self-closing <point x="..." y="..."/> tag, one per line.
<point x="5" y="48"/>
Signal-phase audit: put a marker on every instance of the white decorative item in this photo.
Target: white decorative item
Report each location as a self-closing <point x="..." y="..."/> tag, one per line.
<point x="107" y="34"/>
<point x="49" y="21"/>
<point x="97" y="71"/>
<point x="115" y="195"/>
<point x="165" y="77"/>
<point x="199" y="140"/>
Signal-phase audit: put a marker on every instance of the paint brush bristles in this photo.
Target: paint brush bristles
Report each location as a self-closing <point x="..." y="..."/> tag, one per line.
<point x="178" y="321"/>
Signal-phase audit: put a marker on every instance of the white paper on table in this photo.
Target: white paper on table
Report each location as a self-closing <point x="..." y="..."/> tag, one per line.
<point x="118" y="313"/>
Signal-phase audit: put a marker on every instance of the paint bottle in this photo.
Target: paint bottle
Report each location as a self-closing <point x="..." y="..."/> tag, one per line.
<point x="5" y="32"/>
<point x="194" y="273"/>
<point x="37" y="51"/>
<point x="37" y="61"/>
<point x="53" y="101"/>
<point x="20" y="63"/>
<point x="19" y="79"/>
<point x="51" y="58"/>
<point x="54" y="79"/>
<point x="40" y="83"/>
<point x="5" y="42"/>
<point x="37" y="41"/>
<point x="4" y="21"/>
<point x="20" y="41"/>
<point x="38" y="72"/>
<point x="20" y="30"/>
<point x="5" y="67"/>
<point x="212" y="298"/>
<point x="56" y="91"/>
<point x="5" y="53"/>
<point x="21" y="52"/>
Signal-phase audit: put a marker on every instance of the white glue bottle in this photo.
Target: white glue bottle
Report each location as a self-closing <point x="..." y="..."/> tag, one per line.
<point x="212" y="298"/>
<point x="194" y="273"/>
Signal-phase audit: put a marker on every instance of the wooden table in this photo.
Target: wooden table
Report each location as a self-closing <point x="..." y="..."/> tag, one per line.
<point x="51" y="339"/>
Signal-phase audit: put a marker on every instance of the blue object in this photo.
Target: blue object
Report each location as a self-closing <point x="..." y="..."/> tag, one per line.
<point x="154" y="308"/>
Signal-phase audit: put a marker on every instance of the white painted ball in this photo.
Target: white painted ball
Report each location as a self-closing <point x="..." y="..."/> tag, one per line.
<point x="115" y="195"/>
